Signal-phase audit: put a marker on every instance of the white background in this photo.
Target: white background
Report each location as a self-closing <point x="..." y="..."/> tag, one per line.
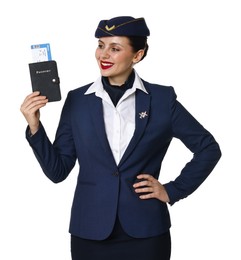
<point x="194" y="46"/>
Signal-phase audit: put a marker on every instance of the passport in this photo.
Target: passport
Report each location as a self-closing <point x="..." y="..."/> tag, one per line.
<point x="44" y="78"/>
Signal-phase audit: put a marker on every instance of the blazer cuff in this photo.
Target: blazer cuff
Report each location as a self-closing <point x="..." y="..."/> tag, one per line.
<point x="173" y="193"/>
<point x="34" y="138"/>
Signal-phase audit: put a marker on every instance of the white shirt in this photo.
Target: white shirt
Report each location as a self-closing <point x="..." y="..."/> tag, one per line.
<point x="120" y="120"/>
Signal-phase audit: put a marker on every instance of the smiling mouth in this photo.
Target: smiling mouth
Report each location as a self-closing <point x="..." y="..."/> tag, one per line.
<point x="106" y="65"/>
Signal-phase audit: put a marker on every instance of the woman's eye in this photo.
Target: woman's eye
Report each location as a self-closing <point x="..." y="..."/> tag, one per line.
<point x="100" y="46"/>
<point x="115" y="49"/>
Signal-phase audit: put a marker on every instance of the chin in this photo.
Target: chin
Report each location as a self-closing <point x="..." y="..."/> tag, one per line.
<point x="105" y="73"/>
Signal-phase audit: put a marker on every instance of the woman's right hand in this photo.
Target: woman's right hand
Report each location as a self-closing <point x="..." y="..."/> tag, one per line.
<point x="30" y="109"/>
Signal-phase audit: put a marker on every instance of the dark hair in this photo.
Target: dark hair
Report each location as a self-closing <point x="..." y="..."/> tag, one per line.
<point x="139" y="43"/>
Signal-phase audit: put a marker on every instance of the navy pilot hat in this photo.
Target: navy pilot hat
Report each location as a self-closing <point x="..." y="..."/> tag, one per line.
<point x="122" y="26"/>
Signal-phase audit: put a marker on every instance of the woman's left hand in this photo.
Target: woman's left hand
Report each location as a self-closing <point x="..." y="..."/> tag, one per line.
<point x="152" y="187"/>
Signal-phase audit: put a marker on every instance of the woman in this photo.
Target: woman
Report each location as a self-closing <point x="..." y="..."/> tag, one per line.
<point x="119" y="129"/>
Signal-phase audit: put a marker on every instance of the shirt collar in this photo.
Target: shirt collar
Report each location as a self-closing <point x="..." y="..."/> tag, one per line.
<point x="97" y="86"/>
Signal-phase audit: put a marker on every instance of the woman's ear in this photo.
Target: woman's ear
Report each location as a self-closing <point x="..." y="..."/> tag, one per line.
<point x="138" y="56"/>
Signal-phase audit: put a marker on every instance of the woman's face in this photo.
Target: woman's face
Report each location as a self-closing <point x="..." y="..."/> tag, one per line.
<point x="116" y="58"/>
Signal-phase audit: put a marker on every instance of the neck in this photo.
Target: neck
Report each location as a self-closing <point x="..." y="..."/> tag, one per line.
<point x="119" y="81"/>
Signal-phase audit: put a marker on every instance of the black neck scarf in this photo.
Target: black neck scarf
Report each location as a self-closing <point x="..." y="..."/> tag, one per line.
<point x="116" y="92"/>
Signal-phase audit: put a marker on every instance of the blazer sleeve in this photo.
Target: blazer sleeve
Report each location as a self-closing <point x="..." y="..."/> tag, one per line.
<point x="205" y="149"/>
<point x="56" y="159"/>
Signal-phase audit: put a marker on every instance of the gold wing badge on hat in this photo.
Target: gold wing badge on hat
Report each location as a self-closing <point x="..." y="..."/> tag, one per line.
<point x="109" y="28"/>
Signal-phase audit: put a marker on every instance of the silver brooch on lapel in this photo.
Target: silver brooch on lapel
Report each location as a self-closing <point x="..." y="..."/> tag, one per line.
<point x="143" y="115"/>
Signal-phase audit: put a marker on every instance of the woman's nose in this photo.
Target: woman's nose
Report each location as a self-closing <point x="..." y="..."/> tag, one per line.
<point x="105" y="54"/>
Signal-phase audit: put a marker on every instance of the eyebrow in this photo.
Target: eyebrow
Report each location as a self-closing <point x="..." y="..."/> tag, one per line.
<point x="112" y="43"/>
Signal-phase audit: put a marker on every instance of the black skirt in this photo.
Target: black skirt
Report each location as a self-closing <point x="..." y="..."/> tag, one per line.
<point x="120" y="246"/>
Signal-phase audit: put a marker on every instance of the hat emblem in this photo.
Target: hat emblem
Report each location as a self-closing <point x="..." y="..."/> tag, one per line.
<point x="109" y="28"/>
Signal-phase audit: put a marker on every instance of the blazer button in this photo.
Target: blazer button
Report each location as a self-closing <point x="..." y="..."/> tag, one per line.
<point x="115" y="174"/>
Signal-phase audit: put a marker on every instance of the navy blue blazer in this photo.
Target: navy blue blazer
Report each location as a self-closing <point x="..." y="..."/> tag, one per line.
<point x="104" y="189"/>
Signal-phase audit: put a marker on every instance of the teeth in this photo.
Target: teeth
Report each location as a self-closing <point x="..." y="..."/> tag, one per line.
<point x="106" y="64"/>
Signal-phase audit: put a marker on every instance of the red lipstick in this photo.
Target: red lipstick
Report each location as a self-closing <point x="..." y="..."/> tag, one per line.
<point x="106" y="65"/>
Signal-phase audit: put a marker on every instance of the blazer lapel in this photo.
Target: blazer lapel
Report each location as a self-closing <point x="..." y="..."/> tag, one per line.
<point x="96" y="110"/>
<point x="142" y="116"/>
